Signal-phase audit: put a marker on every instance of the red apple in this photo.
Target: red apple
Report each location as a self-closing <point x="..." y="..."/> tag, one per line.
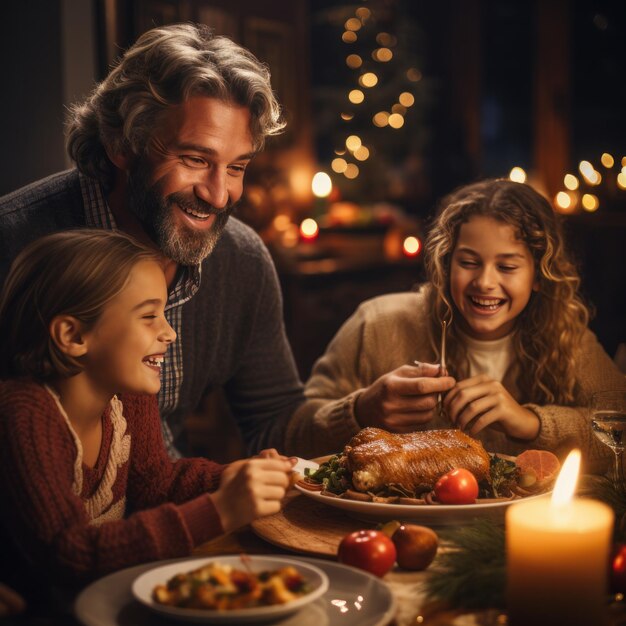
<point x="370" y="550"/>
<point x="617" y="577"/>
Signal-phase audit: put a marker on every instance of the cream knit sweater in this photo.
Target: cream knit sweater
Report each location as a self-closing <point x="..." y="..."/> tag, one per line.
<point x="389" y="331"/>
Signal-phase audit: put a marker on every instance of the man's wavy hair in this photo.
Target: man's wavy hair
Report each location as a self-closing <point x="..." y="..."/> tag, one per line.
<point x="165" y="67"/>
<point x="77" y="273"/>
<point x="548" y="332"/>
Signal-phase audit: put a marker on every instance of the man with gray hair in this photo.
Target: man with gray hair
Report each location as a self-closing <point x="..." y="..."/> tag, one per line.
<point x="161" y="147"/>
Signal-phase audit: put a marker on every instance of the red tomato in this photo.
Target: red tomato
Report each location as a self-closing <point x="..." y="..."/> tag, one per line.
<point x="370" y="550"/>
<point x="458" y="486"/>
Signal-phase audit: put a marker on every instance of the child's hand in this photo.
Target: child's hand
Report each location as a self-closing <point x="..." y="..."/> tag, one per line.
<point x="249" y="489"/>
<point x="402" y="399"/>
<point x="272" y="453"/>
<point x="478" y="402"/>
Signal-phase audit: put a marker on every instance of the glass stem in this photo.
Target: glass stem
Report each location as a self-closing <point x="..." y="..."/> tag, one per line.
<point x="618" y="471"/>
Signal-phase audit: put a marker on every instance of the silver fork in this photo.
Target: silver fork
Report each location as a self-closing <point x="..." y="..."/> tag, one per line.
<point x="442" y="358"/>
<point x="442" y="365"/>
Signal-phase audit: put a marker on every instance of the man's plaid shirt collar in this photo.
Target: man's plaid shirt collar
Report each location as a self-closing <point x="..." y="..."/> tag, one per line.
<point x="99" y="215"/>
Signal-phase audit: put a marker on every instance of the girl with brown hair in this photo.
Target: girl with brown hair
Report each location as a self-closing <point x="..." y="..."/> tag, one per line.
<point x="86" y="483"/>
<point x="521" y="362"/>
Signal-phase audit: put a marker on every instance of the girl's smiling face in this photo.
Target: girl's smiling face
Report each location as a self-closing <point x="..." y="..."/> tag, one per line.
<point x="126" y="346"/>
<point x="492" y="276"/>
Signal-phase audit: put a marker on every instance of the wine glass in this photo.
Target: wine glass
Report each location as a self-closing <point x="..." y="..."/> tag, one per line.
<point x="608" y="420"/>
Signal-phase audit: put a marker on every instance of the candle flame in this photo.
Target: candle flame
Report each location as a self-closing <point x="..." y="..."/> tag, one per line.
<point x="566" y="481"/>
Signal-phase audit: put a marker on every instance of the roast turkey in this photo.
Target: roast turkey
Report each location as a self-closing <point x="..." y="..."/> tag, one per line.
<point x="415" y="461"/>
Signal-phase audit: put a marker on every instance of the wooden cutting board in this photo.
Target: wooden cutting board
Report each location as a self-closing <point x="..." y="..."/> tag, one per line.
<point x="307" y="527"/>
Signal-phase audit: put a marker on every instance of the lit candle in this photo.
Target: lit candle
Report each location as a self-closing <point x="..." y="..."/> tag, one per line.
<point x="411" y="246"/>
<point x="309" y="230"/>
<point x="557" y="556"/>
<point x="321" y="186"/>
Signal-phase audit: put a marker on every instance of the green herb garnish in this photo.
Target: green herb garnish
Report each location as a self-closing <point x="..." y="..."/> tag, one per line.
<point x="503" y="476"/>
<point x="332" y="474"/>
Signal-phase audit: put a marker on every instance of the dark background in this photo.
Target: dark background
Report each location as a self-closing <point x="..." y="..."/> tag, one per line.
<point x="503" y="83"/>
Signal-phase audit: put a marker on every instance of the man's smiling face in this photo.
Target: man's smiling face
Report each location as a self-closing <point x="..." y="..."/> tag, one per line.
<point x="184" y="189"/>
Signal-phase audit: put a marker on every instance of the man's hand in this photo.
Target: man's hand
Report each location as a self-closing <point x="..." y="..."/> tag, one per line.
<point x="402" y="399"/>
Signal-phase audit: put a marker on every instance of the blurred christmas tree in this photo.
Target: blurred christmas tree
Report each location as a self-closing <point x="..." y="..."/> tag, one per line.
<point x="371" y="99"/>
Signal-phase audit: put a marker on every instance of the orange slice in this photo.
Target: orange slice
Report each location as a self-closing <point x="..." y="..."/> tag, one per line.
<point x="543" y="464"/>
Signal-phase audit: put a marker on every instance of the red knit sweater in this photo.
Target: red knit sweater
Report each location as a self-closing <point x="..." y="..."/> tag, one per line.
<point x="135" y="504"/>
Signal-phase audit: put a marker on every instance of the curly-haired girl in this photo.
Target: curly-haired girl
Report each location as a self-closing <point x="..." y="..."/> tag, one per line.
<point x="522" y="363"/>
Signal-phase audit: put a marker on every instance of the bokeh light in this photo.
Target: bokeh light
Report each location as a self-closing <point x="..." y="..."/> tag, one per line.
<point x="321" y="185"/>
<point x="362" y="153"/>
<point x="369" y="79"/>
<point x="571" y="182"/>
<point x="564" y="202"/>
<point x="414" y="75"/>
<point x="353" y="142"/>
<point x="309" y="229"/>
<point x="411" y="246"/>
<point x="352" y="171"/>
<point x="382" y="55"/>
<point x="381" y="119"/>
<point x="406" y="99"/>
<point x="590" y="202"/>
<point x="588" y="172"/>
<point x="396" y="120"/>
<point x="339" y="165"/>
<point x="354" y="61"/>
<point x="517" y="175"/>
<point x="607" y="160"/>
<point x="281" y="222"/>
<point x="356" y="96"/>
<point x="385" y="40"/>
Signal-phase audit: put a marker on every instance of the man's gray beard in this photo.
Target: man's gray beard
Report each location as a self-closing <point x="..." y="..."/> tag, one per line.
<point x="156" y="215"/>
<point x="182" y="244"/>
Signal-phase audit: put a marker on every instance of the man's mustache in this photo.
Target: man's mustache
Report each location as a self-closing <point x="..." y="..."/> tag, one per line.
<point x="197" y="205"/>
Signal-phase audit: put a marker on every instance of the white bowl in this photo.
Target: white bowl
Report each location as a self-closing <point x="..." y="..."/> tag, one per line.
<point x="143" y="586"/>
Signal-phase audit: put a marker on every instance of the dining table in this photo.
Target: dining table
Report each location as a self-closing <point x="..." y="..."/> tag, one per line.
<point x="309" y="530"/>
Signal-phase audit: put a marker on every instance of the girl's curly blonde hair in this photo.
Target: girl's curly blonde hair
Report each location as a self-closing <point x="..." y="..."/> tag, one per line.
<point x="548" y="332"/>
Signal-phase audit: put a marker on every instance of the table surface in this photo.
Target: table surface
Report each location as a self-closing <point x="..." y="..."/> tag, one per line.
<point x="407" y="587"/>
<point x="315" y="532"/>
<point x="332" y="526"/>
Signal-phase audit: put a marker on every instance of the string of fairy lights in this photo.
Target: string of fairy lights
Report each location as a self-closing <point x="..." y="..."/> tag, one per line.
<point x="577" y="192"/>
<point x="377" y="103"/>
<point x="582" y="192"/>
<point x="368" y="69"/>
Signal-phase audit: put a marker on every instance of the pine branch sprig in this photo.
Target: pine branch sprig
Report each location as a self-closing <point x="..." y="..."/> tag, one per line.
<point x="472" y="574"/>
